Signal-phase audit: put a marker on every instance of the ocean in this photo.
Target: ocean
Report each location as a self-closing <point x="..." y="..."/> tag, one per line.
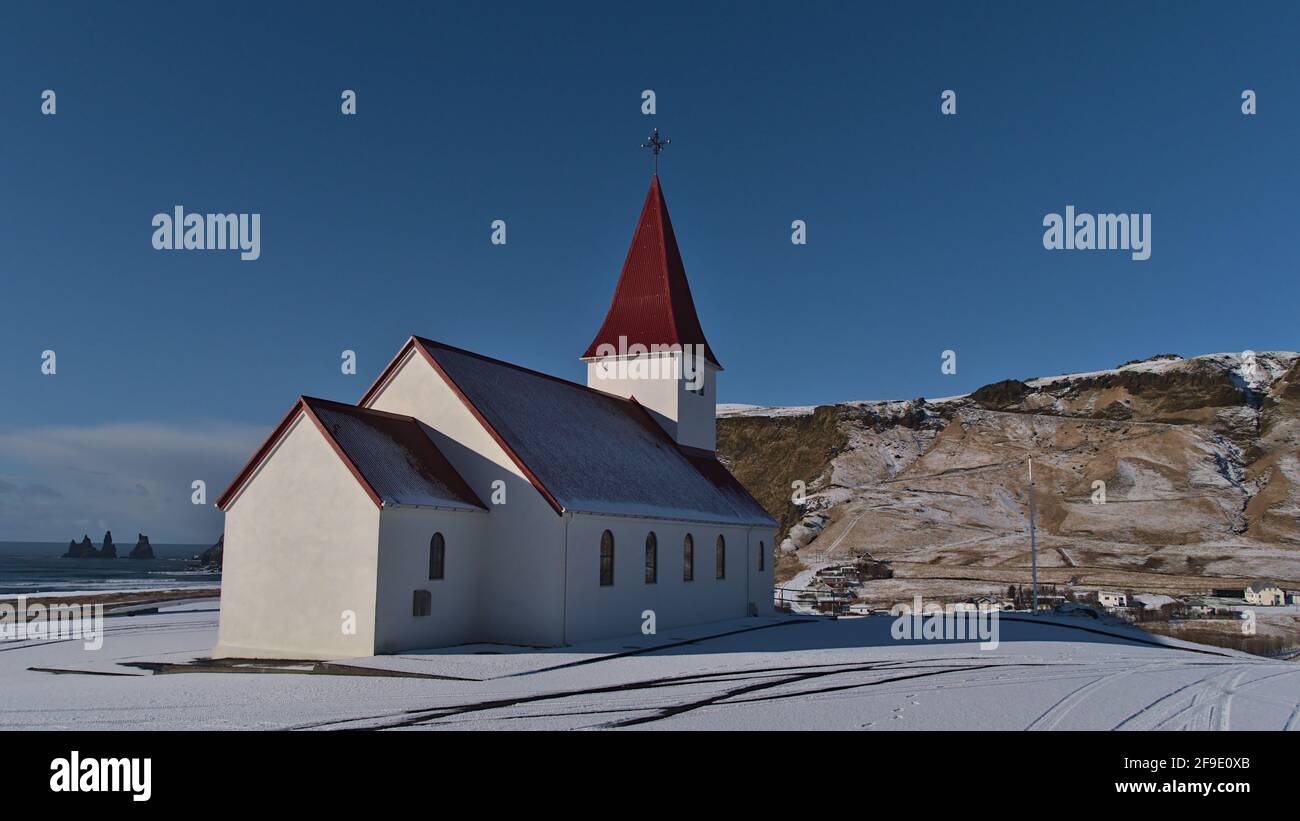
<point x="30" y="568"/>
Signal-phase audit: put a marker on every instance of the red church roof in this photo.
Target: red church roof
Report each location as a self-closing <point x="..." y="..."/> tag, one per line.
<point x="652" y="303"/>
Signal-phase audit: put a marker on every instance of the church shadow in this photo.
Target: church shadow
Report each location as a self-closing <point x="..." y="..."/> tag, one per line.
<point x="802" y="634"/>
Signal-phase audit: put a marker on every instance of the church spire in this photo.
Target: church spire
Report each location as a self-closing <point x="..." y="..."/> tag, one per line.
<point x="652" y="302"/>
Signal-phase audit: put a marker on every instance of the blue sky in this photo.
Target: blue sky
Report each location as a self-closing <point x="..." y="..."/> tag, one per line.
<point x="924" y="231"/>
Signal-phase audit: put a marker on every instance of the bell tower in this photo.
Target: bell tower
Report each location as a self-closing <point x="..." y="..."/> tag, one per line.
<point x="651" y="346"/>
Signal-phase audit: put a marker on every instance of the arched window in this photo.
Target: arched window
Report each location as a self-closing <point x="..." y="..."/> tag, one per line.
<point x="651" y="558"/>
<point x="606" y="558"/>
<point x="720" y="558"/>
<point x="762" y="555"/>
<point x="421" y="603"/>
<point x="437" y="556"/>
<point x="688" y="558"/>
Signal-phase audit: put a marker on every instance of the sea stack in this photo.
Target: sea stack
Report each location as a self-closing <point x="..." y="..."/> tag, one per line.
<point x="109" y="550"/>
<point x="142" y="549"/>
<point x="82" y="550"/>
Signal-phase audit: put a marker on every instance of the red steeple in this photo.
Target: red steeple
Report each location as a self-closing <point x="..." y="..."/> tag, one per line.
<point x="652" y="303"/>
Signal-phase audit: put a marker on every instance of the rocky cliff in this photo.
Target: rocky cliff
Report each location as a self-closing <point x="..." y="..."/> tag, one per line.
<point x="211" y="558"/>
<point x="1156" y="475"/>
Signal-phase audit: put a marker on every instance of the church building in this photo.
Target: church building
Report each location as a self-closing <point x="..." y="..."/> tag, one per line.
<point x="465" y="499"/>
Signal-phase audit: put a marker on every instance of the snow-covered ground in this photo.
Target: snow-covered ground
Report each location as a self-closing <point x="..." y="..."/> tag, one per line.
<point x="1067" y="673"/>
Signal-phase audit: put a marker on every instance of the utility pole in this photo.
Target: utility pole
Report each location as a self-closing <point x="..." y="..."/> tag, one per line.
<point x="1033" y="542"/>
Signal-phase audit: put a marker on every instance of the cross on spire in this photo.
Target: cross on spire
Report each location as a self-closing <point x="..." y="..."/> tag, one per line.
<point x="655" y="145"/>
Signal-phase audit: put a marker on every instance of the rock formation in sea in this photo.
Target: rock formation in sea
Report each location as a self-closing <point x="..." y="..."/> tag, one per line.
<point x="81" y="550"/>
<point x="85" y="549"/>
<point x="211" y="558"/>
<point x="142" y="549"/>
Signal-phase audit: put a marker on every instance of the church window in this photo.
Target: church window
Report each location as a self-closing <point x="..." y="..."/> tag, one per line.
<point x="688" y="558"/>
<point x="651" y="558"/>
<point x="762" y="557"/>
<point x="606" y="558"/>
<point x="720" y="558"/>
<point x="437" y="556"/>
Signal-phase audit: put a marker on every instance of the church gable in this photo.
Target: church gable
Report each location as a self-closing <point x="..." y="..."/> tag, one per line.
<point x="389" y="456"/>
<point x="413" y="384"/>
<point x="394" y="457"/>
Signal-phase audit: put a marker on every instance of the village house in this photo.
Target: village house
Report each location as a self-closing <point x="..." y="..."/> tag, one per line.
<point x="467" y="499"/>
<point x="1265" y="594"/>
<point x="1112" y="599"/>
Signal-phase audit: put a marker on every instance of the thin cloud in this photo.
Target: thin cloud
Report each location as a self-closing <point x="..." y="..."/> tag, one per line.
<point x="57" y="483"/>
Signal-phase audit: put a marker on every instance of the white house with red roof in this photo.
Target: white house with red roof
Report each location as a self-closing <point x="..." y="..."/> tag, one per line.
<point x="464" y="499"/>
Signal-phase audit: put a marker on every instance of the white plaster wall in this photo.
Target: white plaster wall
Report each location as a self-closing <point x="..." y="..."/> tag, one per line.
<point x="301" y="542"/>
<point x="404" y="535"/>
<point x="521" y="592"/>
<point x="657" y="381"/>
<point x="761" y="582"/>
<point x="697" y="414"/>
<point x="595" y="612"/>
<point x="652" y="379"/>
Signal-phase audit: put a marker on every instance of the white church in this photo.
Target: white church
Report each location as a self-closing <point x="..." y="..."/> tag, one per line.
<point x="464" y="499"/>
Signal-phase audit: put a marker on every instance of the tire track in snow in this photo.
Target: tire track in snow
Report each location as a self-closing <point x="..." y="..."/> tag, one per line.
<point x="428" y="714"/>
<point x="1198" y="696"/>
<point x="1237" y="687"/>
<point x="1225" y="703"/>
<point x="1051" y="718"/>
<point x="727" y="695"/>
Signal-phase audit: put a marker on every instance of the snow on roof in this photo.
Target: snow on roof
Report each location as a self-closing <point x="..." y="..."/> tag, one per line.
<point x="1154" y="601"/>
<point x="592" y="452"/>
<point x="394" y="455"/>
<point x="390" y="455"/>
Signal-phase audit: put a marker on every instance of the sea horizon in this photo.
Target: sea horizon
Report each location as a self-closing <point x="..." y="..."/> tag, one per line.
<point x="29" y="568"/>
